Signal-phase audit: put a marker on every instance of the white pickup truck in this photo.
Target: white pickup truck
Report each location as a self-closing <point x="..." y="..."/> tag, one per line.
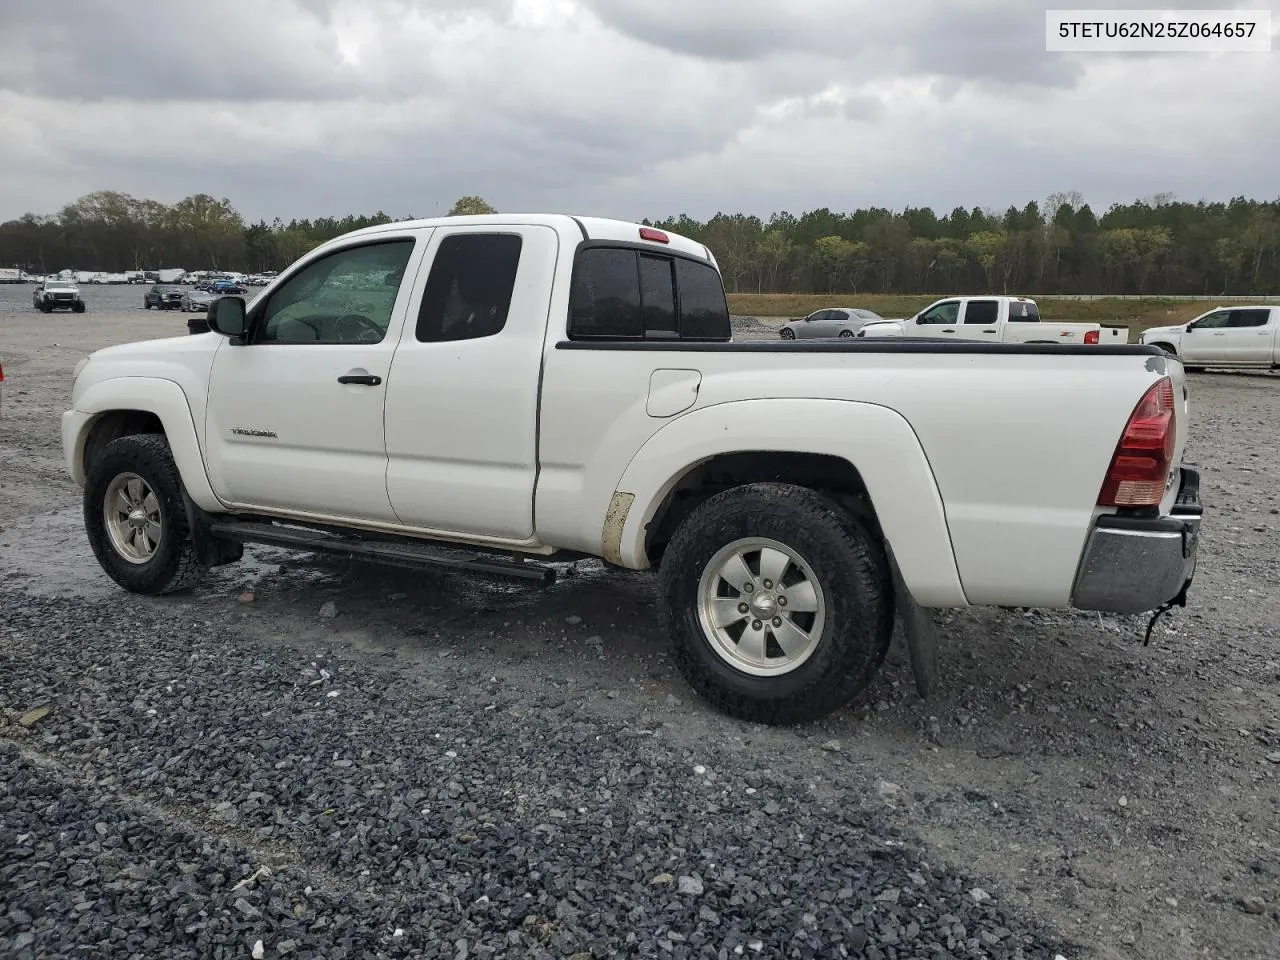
<point x="994" y="320"/>
<point x="494" y="392"/>
<point x="1247" y="336"/>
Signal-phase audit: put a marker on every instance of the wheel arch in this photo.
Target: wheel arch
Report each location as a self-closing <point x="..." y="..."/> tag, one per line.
<point x="864" y="455"/>
<point x="128" y="406"/>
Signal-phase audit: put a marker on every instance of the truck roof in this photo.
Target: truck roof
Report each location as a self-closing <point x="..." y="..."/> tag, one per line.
<point x="591" y="228"/>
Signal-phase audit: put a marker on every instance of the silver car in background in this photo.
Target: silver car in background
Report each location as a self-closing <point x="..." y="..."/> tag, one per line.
<point x="829" y="322"/>
<point x="197" y="301"/>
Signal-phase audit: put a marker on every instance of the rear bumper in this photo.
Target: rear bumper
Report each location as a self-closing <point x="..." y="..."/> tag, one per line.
<point x="1137" y="564"/>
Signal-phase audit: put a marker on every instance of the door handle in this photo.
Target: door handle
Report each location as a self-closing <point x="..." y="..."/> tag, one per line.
<point x="368" y="379"/>
<point x="988" y="331"/>
<point x="948" y="331"/>
<point x="1220" y="333"/>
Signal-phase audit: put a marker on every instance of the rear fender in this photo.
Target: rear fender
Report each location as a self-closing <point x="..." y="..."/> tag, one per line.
<point x="165" y="399"/>
<point x="878" y="441"/>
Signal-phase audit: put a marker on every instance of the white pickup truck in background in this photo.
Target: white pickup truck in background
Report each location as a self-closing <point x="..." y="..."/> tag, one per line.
<point x="994" y="320"/>
<point x="489" y="393"/>
<point x="1246" y="336"/>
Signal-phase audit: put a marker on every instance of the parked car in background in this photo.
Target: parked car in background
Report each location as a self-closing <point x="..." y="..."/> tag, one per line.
<point x="1223" y="337"/>
<point x="831" y="322"/>
<point x="995" y="320"/>
<point x="57" y="295"/>
<point x="223" y="288"/>
<point x="197" y="301"/>
<point x="163" y="296"/>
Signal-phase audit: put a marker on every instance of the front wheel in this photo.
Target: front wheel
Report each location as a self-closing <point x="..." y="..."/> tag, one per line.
<point x="787" y="333"/>
<point x="136" y="518"/>
<point x="778" y="601"/>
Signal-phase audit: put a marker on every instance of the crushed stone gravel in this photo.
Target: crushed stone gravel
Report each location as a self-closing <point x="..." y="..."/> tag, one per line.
<point x="189" y="794"/>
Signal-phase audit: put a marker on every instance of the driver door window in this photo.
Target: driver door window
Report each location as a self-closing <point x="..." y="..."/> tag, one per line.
<point x="943" y="313"/>
<point x="1214" y="321"/>
<point x="346" y="297"/>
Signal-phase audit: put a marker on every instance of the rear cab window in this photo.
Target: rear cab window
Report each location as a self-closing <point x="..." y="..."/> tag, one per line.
<point x="1023" y="311"/>
<point x="624" y="292"/>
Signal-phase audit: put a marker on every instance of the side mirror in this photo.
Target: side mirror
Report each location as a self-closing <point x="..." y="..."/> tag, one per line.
<point x="227" y="317"/>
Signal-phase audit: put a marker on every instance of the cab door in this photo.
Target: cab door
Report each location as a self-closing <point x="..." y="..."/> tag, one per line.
<point x="462" y="400"/>
<point x="980" y="320"/>
<point x="940" y="320"/>
<point x="294" y="422"/>
<point x="1206" y="339"/>
<point x="1249" y="336"/>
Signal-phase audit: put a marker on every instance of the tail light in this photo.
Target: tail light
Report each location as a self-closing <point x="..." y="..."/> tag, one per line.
<point x="1144" y="455"/>
<point x="1091" y="336"/>
<point x="657" y="236"/>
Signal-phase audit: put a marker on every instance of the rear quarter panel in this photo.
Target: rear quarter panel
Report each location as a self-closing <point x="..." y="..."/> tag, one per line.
<point x="1017" y="444"/>
<point x="1047" y="332"/>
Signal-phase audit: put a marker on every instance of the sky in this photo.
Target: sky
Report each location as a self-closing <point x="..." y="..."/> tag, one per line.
<point x="623" y="108"/>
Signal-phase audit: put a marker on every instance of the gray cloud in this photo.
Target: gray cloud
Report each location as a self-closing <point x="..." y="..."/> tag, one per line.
<point x="618" y="107"/>
<point x="236" y="50"/>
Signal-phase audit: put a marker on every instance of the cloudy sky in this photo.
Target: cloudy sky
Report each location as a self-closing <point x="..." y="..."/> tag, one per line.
<point x="624" y="108"/>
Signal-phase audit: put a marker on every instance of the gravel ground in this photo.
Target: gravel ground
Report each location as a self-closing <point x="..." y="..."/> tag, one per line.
<point x="452" y="766"/>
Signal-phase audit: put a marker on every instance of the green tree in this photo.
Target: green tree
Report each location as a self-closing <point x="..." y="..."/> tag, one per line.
<point x="986" y="248"/>
<point x="469" y="206"/>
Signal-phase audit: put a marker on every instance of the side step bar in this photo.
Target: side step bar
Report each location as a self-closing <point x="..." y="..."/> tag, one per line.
<point x="399" y="553"/>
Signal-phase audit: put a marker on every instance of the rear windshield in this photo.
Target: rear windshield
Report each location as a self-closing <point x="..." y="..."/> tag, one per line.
<point x="621" y="293"/>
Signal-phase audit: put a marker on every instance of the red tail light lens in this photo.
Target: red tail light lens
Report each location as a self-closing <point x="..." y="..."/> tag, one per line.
<point x="1140" y="465"/>
<point x="657" y="236"/>
<point x="1091" y="336"/>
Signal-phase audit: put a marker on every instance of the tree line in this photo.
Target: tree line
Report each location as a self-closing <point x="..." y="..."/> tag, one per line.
<point x="1157" y="245"/>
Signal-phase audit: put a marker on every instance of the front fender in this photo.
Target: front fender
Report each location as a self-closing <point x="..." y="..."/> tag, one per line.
<point x="165" y="399"/>
<point x="878" y="441"/>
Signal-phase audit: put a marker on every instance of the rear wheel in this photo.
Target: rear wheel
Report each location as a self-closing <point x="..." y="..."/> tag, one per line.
<point x="778" y="601"/>
<point x="846" y="333"/>
<point x="136" y="517"/>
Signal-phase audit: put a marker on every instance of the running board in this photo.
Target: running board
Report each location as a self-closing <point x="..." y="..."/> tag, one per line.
<point x="397" y="553"/>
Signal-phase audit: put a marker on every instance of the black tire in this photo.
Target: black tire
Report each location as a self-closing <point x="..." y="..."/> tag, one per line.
<point x="175" y="565"/>
<point x="146" y="305"/>
<point x="787" y="334"/>
<point x="846" y="333"/>
<point x="79" y="307"/>
<point x="849" y="566"/>
<point x="45" y="308"/>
